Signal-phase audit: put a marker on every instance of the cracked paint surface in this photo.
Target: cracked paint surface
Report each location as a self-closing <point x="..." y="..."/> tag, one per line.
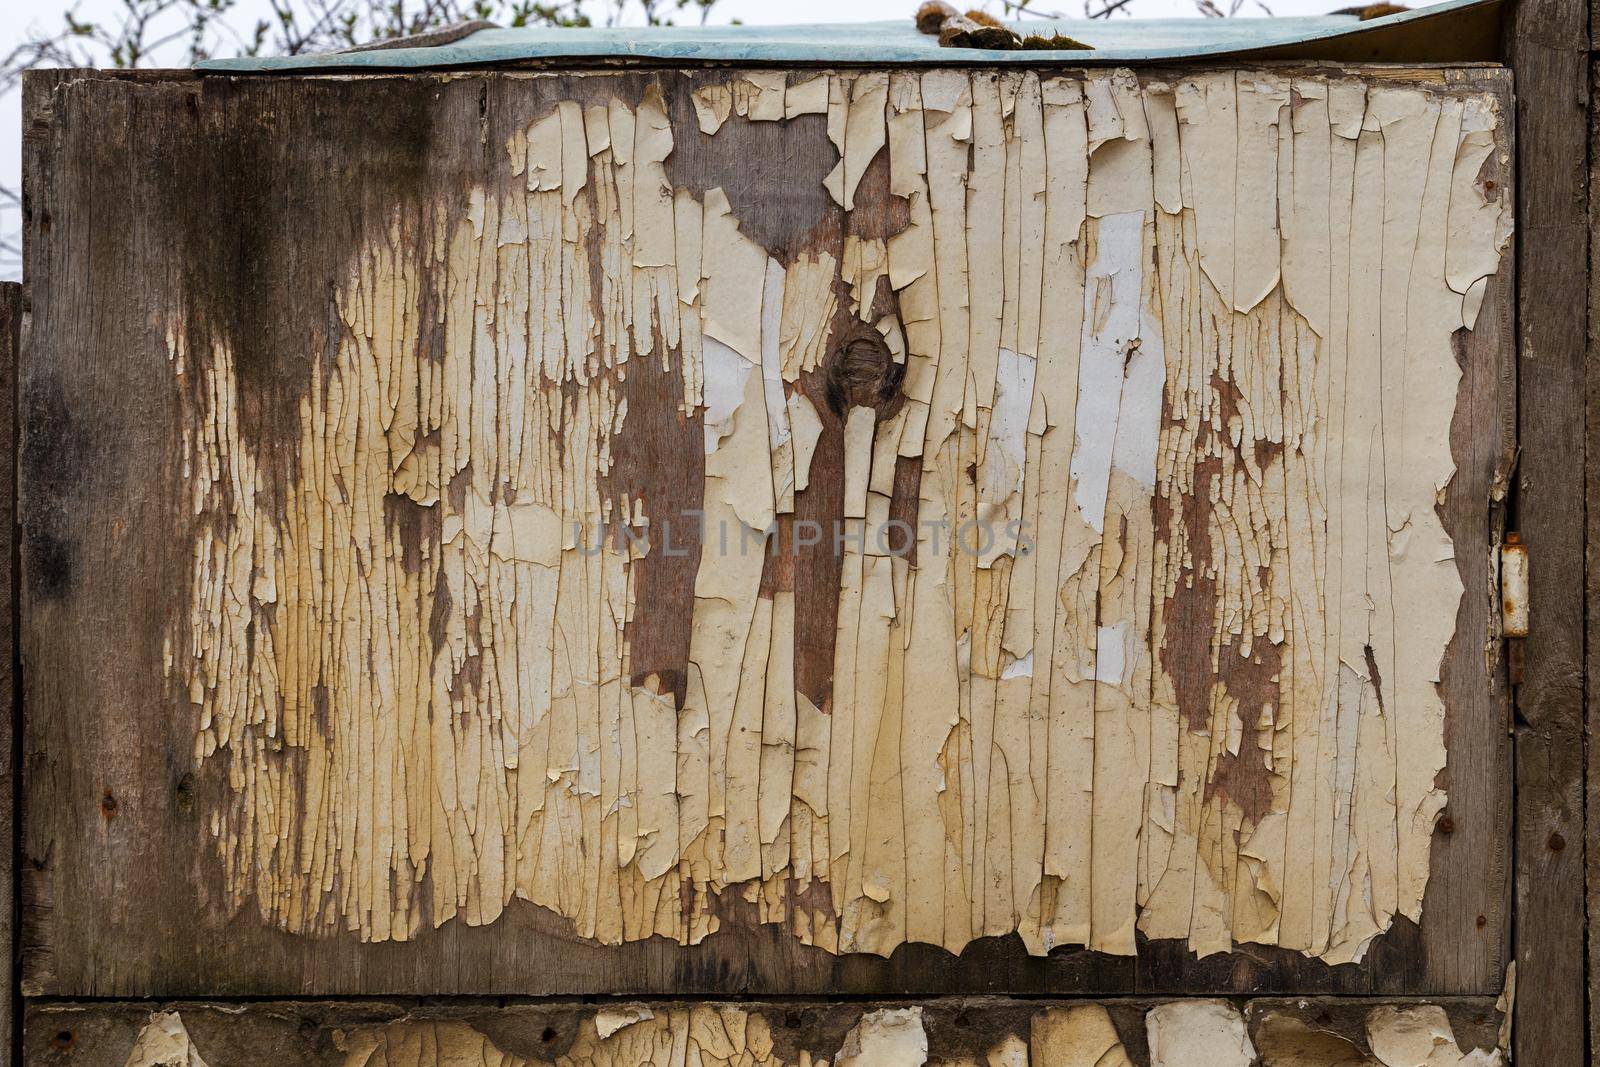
<point x="164" y="1042"/>
<point x="1176" y="1033"/>
<point x="701" y="1035"/>
<point x="1192" y="339"/>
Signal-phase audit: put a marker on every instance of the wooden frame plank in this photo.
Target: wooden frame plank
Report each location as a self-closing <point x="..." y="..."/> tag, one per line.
<point x="1548" y="48"/>
<point x="10" y="335"/>
<point x="1591" y="649"/>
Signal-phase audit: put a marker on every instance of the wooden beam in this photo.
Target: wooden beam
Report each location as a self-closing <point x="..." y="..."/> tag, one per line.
<point x="10" y="328"/>
<point x="1592" y="585"/>
<point x="1548" y="45"/>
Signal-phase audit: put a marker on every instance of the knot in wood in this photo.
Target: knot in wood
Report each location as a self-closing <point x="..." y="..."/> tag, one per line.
<point x="862" y="373"/>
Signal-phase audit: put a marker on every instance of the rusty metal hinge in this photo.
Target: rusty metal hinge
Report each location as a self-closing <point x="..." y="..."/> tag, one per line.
<point x="1514" y="614"/>
<point x="1514" y="587"/>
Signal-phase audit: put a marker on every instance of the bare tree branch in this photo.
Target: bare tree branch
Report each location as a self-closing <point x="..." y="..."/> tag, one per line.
<point x="144" y="32"/>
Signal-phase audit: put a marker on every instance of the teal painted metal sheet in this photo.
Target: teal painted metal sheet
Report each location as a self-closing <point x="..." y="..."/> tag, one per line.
<point x="1119" y="41"/>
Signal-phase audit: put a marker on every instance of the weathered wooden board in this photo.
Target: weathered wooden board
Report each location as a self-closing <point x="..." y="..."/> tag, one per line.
<point x="1591" y="651"/>
<point x="10" y="328"/>
<point x="1548" y="42"/>
<point x="327" y="692"/>
<point x="1344" y="1032"/>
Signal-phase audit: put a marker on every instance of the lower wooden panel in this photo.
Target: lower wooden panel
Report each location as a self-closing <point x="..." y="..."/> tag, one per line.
<point x="1017" y="1033"/>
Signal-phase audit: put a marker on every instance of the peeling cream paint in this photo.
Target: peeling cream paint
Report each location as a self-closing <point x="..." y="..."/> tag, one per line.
<point x="1506" y="1005"/>
<point x="1203" y="704"/>
<point x="1286" y="1041"/>
<point x="699" y="1036"/>
<point x="608" y="1021"/>
<point x="164" y="1042"/>
<point x="1198" y="1033"/>
<point x="1180" y="1033"/>
<point x="1079" y="1036"/>
<point x="888" y="1037"/>
<point x="1420" y="1036"/>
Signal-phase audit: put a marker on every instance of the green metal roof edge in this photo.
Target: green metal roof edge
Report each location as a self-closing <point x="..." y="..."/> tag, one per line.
<point x="1118" y="41"/>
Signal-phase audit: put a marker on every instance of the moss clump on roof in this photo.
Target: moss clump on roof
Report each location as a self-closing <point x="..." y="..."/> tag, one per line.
<point x="1055" y="42"/>
<point x="978" y="29"/>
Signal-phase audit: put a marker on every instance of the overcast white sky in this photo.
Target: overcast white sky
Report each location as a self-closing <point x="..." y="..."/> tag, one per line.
<point x="20" y="19"/>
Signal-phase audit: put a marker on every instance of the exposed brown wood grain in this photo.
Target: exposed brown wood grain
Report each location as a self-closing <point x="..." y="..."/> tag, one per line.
<point x="959" y="1029"/>
<point x="256" y="179"/>
<point x="1471" y="859"/>
<point x="1591" y="651"/>
<point x="10" y="333"/>
<point x="1548" y="47"/>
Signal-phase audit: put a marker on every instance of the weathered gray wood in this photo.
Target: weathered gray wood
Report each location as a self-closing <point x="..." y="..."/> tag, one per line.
<point x="232" y="191"/>
<point x="958" y="1029"/>
<point x="10" y="332"/>
<point x="1548" y="46"/>
<point x="1591" y="650"/>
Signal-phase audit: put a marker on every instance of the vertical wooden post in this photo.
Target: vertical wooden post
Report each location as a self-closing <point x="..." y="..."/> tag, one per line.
<point x="1549" y="42"/>
<point x="10" y="1015"/>
<point x="1592" y="545"/>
